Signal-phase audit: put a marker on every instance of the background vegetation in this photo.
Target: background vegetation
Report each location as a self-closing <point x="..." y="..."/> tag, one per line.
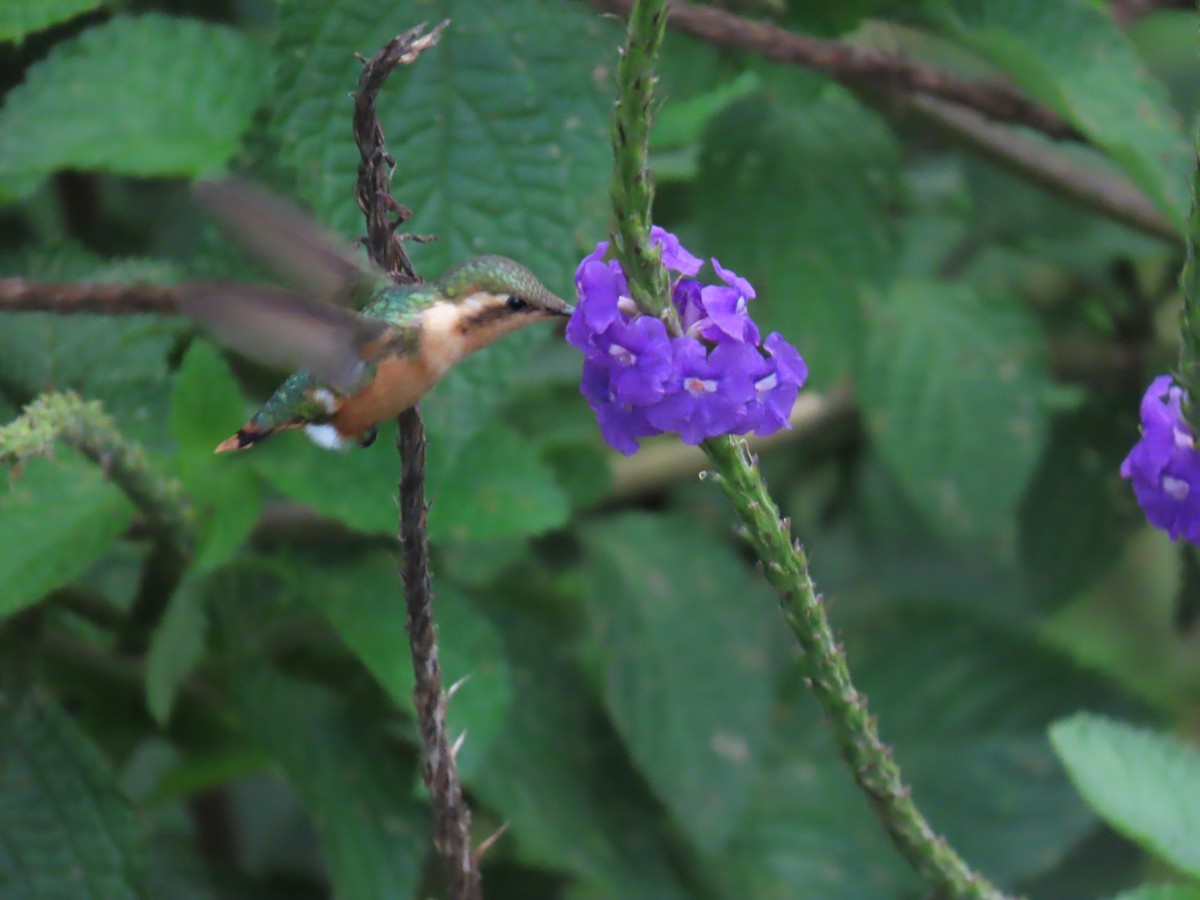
<point x="235" y="719"/>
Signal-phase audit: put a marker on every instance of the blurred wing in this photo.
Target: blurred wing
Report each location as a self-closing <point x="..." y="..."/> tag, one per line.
<point x="282" y="237"/>
<point x="286" y="330"/>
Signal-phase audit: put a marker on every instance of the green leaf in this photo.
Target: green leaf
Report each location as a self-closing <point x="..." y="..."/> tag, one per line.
<point x="56" y="518"/>
<point x="21" y="18"/>
<point x="175" y="647"/>
<point x="1078" y="480"/>
<point x="206" y="407"/>
<point x="952" y="388"/>
<point x="206" y="403"/>
<point x="819" y="176"/>
<point x="496" y="486"/>
<point x="363" y="600"/>
<point x="68" y="831"/>
<point x="557" y="773"/>
<point x="121" y="362"/>
<point x="148" y="95"/>
<point x="501" y="138"/>
<point x="351" y="776"/>
<point x="1146" y="785"/>
<point x="1163" y="892"/>
<point x="681" y="634"/>
<point x="965" y="704"/>
<point x="1070" y="55"/>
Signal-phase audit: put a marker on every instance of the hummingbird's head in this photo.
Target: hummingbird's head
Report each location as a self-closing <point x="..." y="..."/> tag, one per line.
<point x="485" y="298"/>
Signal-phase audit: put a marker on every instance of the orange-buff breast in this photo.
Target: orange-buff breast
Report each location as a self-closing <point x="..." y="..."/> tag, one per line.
<point x="399" y="383"/>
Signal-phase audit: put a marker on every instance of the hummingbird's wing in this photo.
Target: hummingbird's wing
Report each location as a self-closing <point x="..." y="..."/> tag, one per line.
<point x="286" y="330"/>
<point x="283" y="238"/>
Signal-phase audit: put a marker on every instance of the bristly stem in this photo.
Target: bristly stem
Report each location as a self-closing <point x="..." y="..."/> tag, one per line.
<point x="1188" y="372"/>
<point x="735" y="470"/>
<point x="85" y="426"/>
<point x="451" y="815"/>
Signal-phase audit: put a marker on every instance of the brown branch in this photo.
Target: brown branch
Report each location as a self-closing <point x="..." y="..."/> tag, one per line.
<point x="451" y="815"/>
<point x="856" y="67"/>
<point x="68" y="298"/>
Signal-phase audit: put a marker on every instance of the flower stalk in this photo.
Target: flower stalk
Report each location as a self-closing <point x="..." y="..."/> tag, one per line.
<point x="784" y="562"/>
<point x="1188" y="372"/>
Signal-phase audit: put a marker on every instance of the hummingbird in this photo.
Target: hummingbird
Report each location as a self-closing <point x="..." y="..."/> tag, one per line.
<point x="365" y="347"/>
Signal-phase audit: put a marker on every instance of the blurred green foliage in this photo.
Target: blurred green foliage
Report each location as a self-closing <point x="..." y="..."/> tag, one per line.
<point x="630" y="700"/>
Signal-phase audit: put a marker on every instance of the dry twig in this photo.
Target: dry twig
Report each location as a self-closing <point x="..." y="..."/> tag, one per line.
<point x="102" y="298"/>
<point x="451" y="816"/>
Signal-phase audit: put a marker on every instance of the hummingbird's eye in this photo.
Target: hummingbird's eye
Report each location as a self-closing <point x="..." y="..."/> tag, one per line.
<point x="516" y="304"/>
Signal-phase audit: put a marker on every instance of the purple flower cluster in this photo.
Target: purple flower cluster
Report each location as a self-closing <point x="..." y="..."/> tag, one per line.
<point x="717" y="378"/>
<point x="1164" y="465"/>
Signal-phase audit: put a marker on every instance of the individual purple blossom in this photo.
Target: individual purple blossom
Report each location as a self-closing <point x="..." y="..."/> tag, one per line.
<point x="708" y="393"/>
<point x="638" y="357"/>
<point x="777" y="381"/>
<point x="621" y="424"/>
<point x="674" y="256"/>
<point x="1164" y="465"/>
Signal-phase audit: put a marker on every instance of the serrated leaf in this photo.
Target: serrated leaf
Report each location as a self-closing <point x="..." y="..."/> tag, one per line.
<point x="353" y="780"/>
<point x="1070" y="55"/>
<point x="953" y="388"/>
<point x="682" y="634"/>
<point x="21" y="18"/>
<point x="175" y="647"/>
<point x="496" y="486"/>
<point x="68" y="831"/>
<point x="363" y="600"/>
<point x="818" y="178"/>
<point x="558" y="775"/>
<point x="964" y="704"/>
<point x="56" y="519"/>
<point x="501" y="139"/>
<point x="1146" y="785"/>
<point x="147" y="95"/>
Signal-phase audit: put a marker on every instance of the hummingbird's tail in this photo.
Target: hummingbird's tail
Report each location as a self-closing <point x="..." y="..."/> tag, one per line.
<point x="247" y="436"/>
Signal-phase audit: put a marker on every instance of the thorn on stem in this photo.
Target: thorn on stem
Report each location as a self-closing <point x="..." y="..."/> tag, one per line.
<point x="453" y="689"/>
<point x="457" y="745"/>
<point x="488" y="842"/>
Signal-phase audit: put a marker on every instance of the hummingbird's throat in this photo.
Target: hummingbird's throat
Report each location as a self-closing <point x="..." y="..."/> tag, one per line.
<point x="450" y="331"/>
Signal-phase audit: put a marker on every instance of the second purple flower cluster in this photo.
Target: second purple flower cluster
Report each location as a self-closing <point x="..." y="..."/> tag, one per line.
<point x="718" y="377"/>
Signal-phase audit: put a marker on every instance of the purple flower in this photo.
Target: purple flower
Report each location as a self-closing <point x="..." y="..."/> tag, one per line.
<point x="1164" y="466"/>
<point x="777" y="381"/>
<point x="708" y="392"/>
<point x="638" y="356"/>
<point x="621" y="424"/>
<point x="674" y="256"/>
<point x="713" y="379"/>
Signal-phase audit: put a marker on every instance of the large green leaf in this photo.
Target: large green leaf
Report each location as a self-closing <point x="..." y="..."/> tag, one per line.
<point x="557" y="774"/>
<point x="500" y="138"/>
<point x="964" y="704"/>
<point x="20" y="18"/>
<point x="57" y="517"/>
<point x="1146" y="785"/>
<point x="794" y="195"/>
<point x="363" y="600"/>
<point x="352" y="777"/>
<point x="151" y="95"/>
<point x="1163" y="892"/>
<point x="682" y="638"/>
<point x="496" y="486"/>
<point x="953" y="388"/>
<point x="67" y="830"/>
<point x="1070" y="55"/>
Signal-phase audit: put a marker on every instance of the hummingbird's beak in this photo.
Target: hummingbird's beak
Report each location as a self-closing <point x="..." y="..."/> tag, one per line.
<point x="566" y="311"/>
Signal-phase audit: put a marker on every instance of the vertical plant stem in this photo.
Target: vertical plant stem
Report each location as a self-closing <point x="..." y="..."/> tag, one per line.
<point x="735" y="470"/>
<point x="451" y="815"/>
<point x="1188" y="370"/>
